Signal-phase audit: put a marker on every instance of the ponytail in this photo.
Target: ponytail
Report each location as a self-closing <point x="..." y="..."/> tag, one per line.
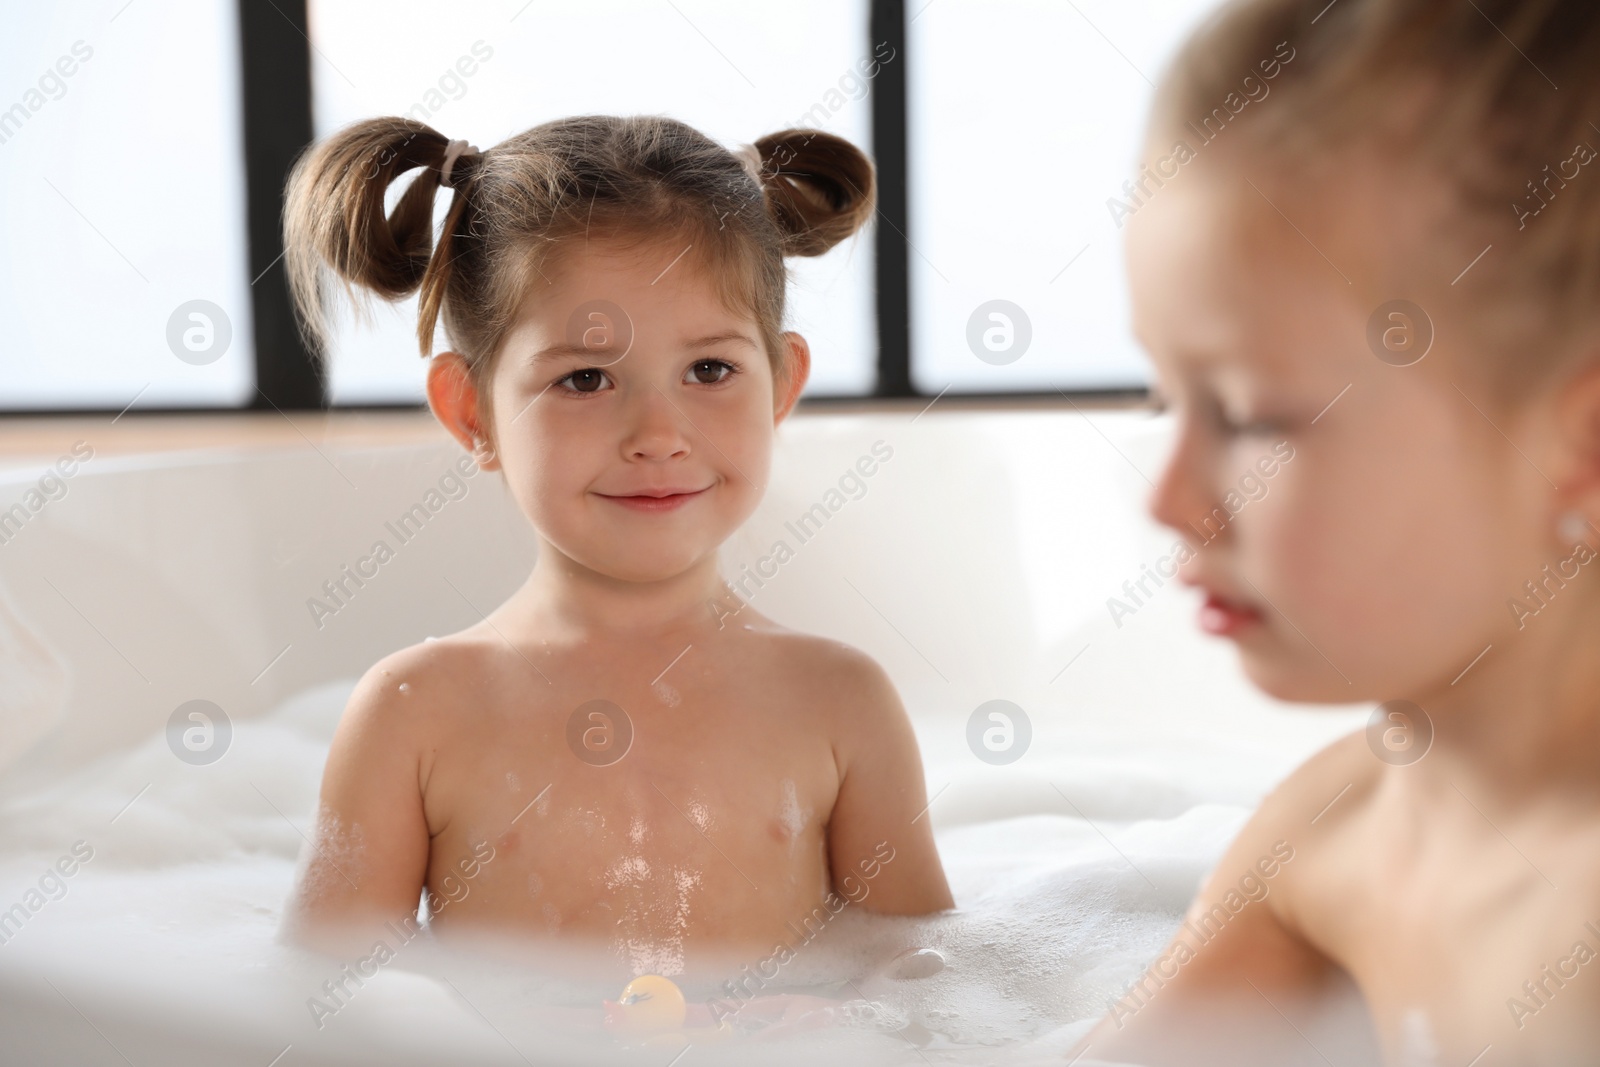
<point x="334" y="215"/>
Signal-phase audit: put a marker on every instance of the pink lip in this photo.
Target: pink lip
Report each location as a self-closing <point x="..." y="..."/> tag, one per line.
<point x="655" y="499"/>
<point x="1224" y="618"/>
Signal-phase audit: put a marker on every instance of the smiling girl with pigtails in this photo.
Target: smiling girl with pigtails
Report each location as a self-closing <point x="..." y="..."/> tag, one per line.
<point x="671" y="788"/>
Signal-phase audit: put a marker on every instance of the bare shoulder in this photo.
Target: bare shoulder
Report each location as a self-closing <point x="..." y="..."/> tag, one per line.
<point x="845" y="693"/>
<point x="1319" y="803"/>
<point x="1244" y="958"/>
<point x="1326" y="789"/>
<point x="829" y="669"/>
<point x="417" y="686"/>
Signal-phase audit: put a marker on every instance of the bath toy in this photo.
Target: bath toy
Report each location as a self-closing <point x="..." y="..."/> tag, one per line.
<point x="649" y="1005"/>
<point x="651" y="1011"/>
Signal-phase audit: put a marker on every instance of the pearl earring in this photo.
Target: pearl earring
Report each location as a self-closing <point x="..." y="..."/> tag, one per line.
<point x="1572" y="526"/>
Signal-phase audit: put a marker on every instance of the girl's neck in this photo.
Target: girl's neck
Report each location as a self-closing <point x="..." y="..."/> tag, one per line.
<point x="566" y="597"/>
<point x="1526" y="719"/>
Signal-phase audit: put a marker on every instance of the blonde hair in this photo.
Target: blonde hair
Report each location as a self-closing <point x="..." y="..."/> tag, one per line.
<point x="516" y="204"/>
<point x="1469" y="89"/>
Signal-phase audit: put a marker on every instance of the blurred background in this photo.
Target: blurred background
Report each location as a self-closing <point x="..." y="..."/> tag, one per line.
<point x="144" y="145"/>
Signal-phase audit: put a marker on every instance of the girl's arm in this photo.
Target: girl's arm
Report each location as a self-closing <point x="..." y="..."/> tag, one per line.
<point x="880" y="836"/>
<point x="368" y="855"/>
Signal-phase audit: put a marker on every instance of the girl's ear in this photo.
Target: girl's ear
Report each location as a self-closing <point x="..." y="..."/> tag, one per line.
<point x="797" y="368"/>
<point x="454" y="400"/>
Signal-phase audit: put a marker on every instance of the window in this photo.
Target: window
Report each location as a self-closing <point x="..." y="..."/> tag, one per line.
<point x="733" y="70"/>
<point x="1024" y="117"/>
<point x="143" y="149"/>
<point x="124" y="277"/>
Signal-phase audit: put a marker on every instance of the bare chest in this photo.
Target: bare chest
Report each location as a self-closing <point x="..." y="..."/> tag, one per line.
<point x="1461" y="934"/>
<point x="650" y="822"/>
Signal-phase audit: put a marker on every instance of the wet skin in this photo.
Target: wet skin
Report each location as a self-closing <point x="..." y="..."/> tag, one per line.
<point x="769" y="772"/>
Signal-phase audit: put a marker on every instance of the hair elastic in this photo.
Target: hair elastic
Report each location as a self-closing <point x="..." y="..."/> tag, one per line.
<point x="451" y="153"/>
<point x="750" y="156"/>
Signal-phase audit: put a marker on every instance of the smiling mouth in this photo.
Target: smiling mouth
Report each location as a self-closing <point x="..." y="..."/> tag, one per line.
<point x="655" y="501"/>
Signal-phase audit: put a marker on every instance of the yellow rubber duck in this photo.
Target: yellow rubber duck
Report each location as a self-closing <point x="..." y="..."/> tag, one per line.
<point x="652" y="1011"/>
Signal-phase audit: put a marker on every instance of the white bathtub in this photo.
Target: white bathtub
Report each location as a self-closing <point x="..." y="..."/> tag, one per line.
<point x="976" y="565"/>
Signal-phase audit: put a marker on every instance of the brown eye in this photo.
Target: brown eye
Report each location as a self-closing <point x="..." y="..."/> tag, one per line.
<point x="588" y="380"/>
<point x="709" y="371"/>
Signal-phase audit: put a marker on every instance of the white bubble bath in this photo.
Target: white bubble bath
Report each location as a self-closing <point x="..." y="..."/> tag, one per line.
<point x="142" y="882"/>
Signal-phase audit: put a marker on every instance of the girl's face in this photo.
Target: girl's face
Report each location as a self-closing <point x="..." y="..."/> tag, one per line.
<point x="634" y="414"/>
<point x="1376" y="561"/>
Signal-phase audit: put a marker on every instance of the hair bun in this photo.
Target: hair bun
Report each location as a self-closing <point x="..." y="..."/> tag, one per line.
<point x="820" y="188"/>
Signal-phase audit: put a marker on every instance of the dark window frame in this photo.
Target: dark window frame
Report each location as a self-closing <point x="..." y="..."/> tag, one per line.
<point x="275" y="70"/>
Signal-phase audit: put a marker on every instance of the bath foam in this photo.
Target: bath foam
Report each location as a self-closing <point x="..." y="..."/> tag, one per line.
<point x="180" y="909"/>
<point x="339" y="846"/>
<point x="166" y="940"/>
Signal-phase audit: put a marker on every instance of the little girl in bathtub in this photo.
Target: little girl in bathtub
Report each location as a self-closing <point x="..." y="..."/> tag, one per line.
<point x="621" y="753"/>
<point x="1392" y="265"/>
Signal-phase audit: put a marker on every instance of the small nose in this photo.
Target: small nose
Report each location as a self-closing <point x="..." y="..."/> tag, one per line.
<point x="657" y="429"/>
<point x="1181" y="496"/>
